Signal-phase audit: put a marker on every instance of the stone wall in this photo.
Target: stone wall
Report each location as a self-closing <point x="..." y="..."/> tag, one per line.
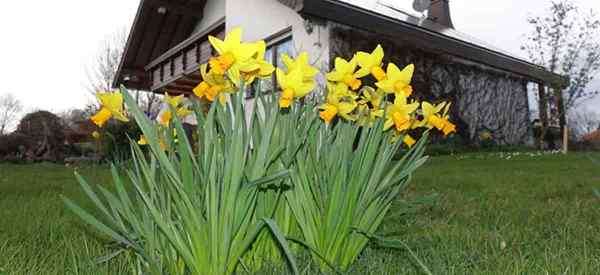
<point x="483" y="99"/>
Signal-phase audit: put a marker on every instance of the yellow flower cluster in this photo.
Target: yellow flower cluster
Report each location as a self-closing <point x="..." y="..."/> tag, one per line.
<point x="349" y="99"/>
<point x="239" y="62"/>
<point x="111" y="106"/>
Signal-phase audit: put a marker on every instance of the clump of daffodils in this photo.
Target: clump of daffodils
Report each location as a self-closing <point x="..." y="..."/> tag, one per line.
<point x="361" y="92"/>
<point x="390" y="99"/>
<point x="347" y="98"/>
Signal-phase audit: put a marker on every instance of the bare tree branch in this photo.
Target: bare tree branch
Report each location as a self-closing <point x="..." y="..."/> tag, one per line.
<point x="565" y="41"/>
<point x="10" y="108"/>
<point x="103" y="72"/>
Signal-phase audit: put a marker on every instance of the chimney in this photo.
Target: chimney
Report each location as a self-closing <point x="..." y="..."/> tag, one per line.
<point x="440" y="13"/>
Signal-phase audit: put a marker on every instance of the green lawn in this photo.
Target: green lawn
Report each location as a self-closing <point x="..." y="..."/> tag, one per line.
<point x="494" y="215"/>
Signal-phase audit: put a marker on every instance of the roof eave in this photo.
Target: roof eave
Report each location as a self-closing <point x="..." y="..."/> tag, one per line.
<point x="119" y="75"/>
<point x="361" y="18"/>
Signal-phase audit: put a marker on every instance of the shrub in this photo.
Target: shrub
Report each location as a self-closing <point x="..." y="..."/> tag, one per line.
<point x="45" y="136"/>
<point x="40" y="126"/>
<point x="12" y="146"/>
<point x="115" y="144"/>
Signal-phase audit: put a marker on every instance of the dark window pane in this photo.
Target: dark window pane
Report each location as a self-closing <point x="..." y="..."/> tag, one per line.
<point x="287" y="47"/>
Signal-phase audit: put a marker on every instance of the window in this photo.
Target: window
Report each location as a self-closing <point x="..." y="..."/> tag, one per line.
<point x="273" y="56"/>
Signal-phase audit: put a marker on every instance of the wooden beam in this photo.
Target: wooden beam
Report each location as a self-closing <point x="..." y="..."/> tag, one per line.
<point x="195" y="10"/>
<point x="543" y="111"/>
<point x="179" y="86"/>
<point x="197" y="37"/>
<point x="560" y="105"/>
<point x="174" y="91"/>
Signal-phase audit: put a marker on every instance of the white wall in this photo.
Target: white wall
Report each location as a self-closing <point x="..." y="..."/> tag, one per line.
<point x="260" y="19"/>
<point x="213" y="11"/>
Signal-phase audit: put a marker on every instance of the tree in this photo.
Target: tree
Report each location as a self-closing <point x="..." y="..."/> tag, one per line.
<point x="102" y="73"/>
<point x="46" y="134"/>
<point x="583" y="121"/>
<point x="565" y="41"/>
<point x="71" y="117"/>
<point x="10" y="107"/>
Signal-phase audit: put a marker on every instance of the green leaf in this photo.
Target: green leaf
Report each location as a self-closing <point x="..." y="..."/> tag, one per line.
<point x="395" y="244"/>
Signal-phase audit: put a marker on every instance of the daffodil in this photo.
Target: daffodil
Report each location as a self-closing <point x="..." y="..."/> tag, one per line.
<point x="234" y="56"/>
<point x="449" y="127"/>
<point x="400" y="113"/>
<point x="111" y="106"/>
<point x="180" y="111"/>
<point x="142" y="140"/>
<point x="433" y="118"/>
<point x="372" y="97"/>
<point x="406" y="138"/>
<point x="370" y="63"/>
<point x="265" y="69"/>
<point x="338" y="103"/>
<point x="397" y="81"/>
<point x="300" y="62"/>
<point x="213" y="85"/>
<point x="161" y="143"/>
<point x="344" y="72"/>
<point x="293" y="86"/>
<point x="368" y="116"/>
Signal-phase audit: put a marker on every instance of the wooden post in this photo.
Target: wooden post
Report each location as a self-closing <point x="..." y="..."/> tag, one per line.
<point x="562" y="117"/>
<point x="565" y="147"/>
<point x="543" y="110"/>
<point x="560" y="105"/>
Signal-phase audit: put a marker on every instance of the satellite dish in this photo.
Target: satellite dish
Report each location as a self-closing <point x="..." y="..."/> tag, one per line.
<point x="421" y="5"/>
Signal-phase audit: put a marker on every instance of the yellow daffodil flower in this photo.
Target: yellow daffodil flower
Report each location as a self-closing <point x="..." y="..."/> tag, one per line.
<point x="399" y="114"/>
<point x="406" y="138"/>
<point x="449" y="127"/>
<point x="344" y="72"/>
<point x="336" y="105"/>
<point x="213" y="85"/>
<point x="165" y="118"/>
<point x="265" y="69"/>
<point x="370" y="106"/>
<point x="373" y="97"/>
<point x="161" y="143"/>
<point x="300" y="62"/>
<point x="432" y="117"/>
<point x="397" y="81"/>
<point x="370" y="63"/>
<point x="175" y="102"/>
<point x="293" y="86"/>
<point x="142" y="140"/>
<point x="111" y="106"/>
<point x="234" y="56"/>
<point x="367" y="116"/>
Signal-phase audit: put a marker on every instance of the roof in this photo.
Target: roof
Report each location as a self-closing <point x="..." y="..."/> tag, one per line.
<point x="158" y="26"/>
<point x="428" y="34"/>
<point x="592" y="136"/>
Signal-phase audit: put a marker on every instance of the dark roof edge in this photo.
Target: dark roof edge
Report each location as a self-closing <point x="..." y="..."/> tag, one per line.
<point x="118" y="76"/>
<point x="361" y="18"/>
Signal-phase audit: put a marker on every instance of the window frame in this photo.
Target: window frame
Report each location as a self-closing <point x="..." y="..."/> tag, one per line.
<point x="273" y="43"/>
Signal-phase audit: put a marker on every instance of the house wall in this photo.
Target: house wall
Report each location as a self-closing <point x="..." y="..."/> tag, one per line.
<point x="213" y="11"/>
<point x="261" y="19"/>
<point x="483" y="98"/>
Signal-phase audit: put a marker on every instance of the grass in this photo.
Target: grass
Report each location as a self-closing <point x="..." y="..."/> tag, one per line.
<point x="495" y="214"/>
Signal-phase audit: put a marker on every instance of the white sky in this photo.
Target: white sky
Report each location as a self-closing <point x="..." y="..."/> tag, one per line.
<point x="47" y="45"/>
